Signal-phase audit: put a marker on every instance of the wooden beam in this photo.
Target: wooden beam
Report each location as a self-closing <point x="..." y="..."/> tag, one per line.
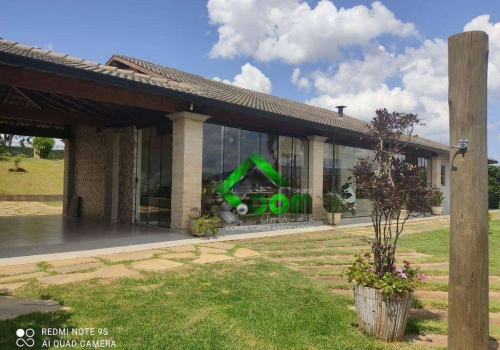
<point x="468" y="280"/>
<point x="69" y="118"/>
<point x="40" y="132"/>
<point x="63" y="85"/>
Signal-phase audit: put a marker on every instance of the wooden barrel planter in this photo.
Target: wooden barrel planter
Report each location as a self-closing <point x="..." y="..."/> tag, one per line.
<point x="381" y="316"/>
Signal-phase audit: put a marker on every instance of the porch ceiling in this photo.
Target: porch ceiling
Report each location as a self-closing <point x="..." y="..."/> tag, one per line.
<point x="32" y="112"/>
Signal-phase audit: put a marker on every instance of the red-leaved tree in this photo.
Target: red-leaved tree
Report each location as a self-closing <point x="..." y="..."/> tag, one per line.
<point x="390" y="184"/>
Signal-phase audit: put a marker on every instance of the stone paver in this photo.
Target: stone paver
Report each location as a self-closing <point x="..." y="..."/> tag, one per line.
<point x="23" y="277"/>
<point x="76" y="261"/>
<point x="245" y="253"/>
<point x="140" y="255"/>
<point x="11" y="307"/>
<point x="205" y="250"/>
<point x="105" y="272"/>
<point x="18" y="269"/>
<point x="9" y="287"/>
<point x="185" y="255"/>
<point x="183" y="248"/>
<point x="73" y="268"/>
<point x="209" y="258"/>
<point x="155" y="265"/>
<point x="218" y="245"/>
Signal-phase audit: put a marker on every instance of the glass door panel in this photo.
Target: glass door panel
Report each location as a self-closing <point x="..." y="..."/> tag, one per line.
<point x="155" y="177"/>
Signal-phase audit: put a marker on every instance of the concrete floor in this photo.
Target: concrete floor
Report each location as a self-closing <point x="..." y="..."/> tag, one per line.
<point x="45" y="234"/>
<point x="53" y="234"/>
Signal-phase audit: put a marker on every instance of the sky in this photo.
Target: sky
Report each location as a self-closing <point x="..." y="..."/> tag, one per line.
<point x="362" y="54"/>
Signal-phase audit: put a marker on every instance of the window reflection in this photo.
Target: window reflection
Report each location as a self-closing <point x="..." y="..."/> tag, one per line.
<point x="225" y="148"/>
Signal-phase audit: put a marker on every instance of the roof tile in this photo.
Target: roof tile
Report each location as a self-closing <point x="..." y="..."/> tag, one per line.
<point x="194" y="84"/>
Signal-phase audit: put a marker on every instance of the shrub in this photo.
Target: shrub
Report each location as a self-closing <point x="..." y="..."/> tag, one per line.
<point x="494" y="187"/>
<point x="17" y="162"/>
<point x="44" y="145"/>
<point x="3" y="153"/>
<point x="390" y="184"/>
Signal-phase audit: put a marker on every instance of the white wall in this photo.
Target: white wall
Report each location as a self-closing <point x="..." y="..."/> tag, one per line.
<point x="445" y="160"/>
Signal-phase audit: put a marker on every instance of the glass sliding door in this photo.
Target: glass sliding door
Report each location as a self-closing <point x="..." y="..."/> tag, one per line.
<point x="156" y="176"/>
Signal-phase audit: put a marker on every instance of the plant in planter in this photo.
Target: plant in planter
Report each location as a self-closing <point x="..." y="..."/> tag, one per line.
<point x="437" y="201"/>
<point x="201" y="225"/>
<point x="387" y="299"/>
<point x="391" y="185"/>
<point x="333" y="203"/>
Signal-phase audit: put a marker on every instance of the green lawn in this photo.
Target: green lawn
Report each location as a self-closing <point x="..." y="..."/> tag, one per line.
<point x="437" y="243"/>
<point x="249" y="305"/>
<point x="42" y="176"/>
<point x="289" y="298"/>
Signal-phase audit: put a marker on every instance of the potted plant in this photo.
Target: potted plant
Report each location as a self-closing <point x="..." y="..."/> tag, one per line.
<point x="437" y="201"/>
<point x="333" y="203"/>
<point x="382" y="289"/>
<point x="201" y="225"/>
<point x="383" y="304"/>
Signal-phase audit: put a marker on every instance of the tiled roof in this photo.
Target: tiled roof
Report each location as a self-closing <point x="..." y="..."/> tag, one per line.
<point x="54" y="57"/>
<point x="173" y="79"/>
<point x="269" y="103"/>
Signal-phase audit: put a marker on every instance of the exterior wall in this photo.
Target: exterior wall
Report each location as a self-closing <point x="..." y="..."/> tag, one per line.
<point x="95" y="172"/>
<point x="69" y="173"/>
<point x="90" y="171"/>
<point x="187" y="149"/>
<point x="127" y="174"/>
<point x="316" y="174"/>
<point x="445" y="160"/>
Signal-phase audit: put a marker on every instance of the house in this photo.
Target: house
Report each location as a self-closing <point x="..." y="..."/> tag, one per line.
<point x="142" y="141"/>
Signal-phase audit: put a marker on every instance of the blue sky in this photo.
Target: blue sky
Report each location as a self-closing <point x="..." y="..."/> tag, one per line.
<point x="360" y="53"/>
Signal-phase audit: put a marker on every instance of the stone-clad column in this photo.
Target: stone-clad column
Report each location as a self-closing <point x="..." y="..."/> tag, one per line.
<point x="69" y="173"/>
<point x="316" y="144"/>
<point x="112" y="171"/>
<point x="187" y="149"/>
<point x="436" y="171"/>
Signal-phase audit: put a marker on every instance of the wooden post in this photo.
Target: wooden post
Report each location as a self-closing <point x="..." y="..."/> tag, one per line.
<point x="468" y="282"/>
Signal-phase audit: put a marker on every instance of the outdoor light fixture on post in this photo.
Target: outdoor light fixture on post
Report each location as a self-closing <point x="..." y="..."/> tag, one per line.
<point x="468" y="279"/>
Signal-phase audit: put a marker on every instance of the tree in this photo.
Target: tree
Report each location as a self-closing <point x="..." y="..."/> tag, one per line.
<point x="390" y="184"/>
<point x="493" y="187"/>
<point x="44" y="145"/>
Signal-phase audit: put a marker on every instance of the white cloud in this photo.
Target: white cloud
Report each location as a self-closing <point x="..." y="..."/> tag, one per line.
<point x="414" y="80"/>
<point x="250" y="78"/>
<point x="301" y="82"/>
<point x="493" y="30"/>
<point x="292" y="31"/>
<point x="49" y="47"/>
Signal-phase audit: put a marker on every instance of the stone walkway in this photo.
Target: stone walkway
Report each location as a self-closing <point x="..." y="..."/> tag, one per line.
<point x="28" y="208"/>
<point x="119" y="265"/>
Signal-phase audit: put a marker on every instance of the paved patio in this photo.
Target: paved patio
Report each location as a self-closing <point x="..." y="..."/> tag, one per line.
<point x="31" y="232"/>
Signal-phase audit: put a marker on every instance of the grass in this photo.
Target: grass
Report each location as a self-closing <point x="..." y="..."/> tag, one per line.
<point x="437" y="243"/>
<point x="203" y="307"/>
<point x="43" y="176"/>
<point x="278" y="301"/>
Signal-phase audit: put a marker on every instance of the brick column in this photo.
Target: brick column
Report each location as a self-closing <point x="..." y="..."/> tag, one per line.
<point x="112" y="151"/>
<point x="436" y="171"/>
<point x="69" y="173"/>
<point x="316" y="174"/>
<point x="187" y="148"/>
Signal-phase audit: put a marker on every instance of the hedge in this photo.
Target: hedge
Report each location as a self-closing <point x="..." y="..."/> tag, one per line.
<point x="28" y="152"/>
<point x="493" y="187"/>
